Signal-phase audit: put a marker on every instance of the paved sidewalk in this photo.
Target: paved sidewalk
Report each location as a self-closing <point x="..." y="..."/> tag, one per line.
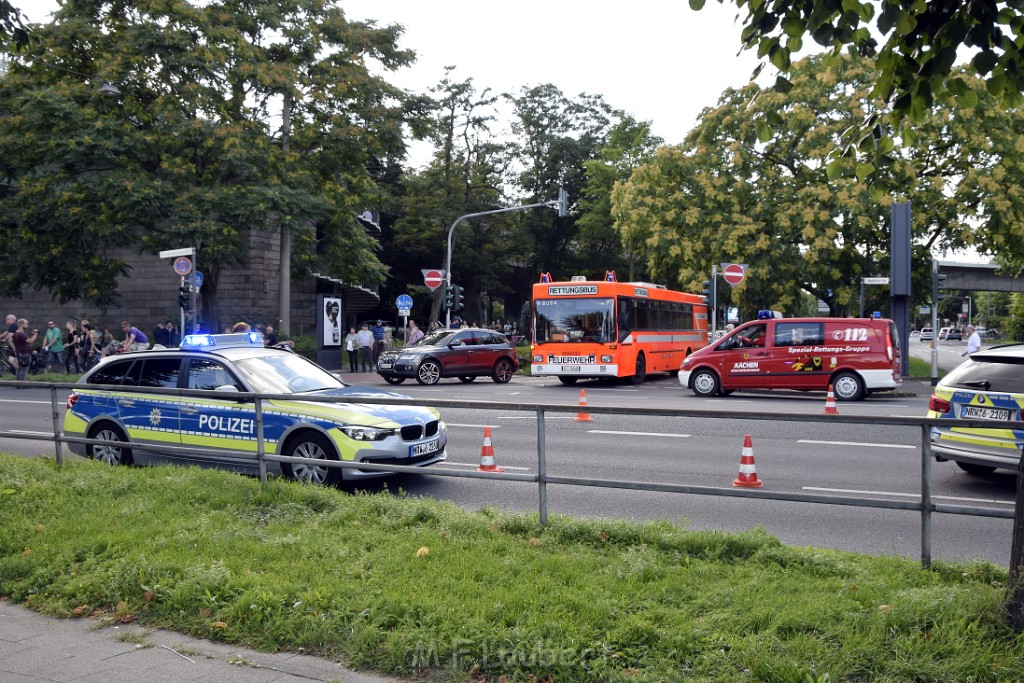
<point x="35" y="648"/>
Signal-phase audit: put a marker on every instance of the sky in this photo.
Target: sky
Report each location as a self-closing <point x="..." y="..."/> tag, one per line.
<point x="655" y="59"/>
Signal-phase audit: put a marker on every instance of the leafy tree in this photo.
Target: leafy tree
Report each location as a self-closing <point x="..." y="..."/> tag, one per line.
<point x="12" y="30"/>
<point x="921" y="39"/>
<point x="463" y="177"/>
<point x="188" y="155"/>
<point x="630" y="143"/>
<point x="740" y="189"/>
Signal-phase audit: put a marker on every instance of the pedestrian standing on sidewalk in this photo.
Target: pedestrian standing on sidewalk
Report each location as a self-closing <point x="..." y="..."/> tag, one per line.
<point x="23" y="348"/>
<point x="53" y="346"/>
<point x="352" y="349"/>
<point x="366" y="348"/>
<point x="71" y="340"/>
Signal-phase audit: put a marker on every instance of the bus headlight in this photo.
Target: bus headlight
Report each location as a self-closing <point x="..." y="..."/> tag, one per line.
<point x="606" y="359"/>
<point x="538" y="359"/>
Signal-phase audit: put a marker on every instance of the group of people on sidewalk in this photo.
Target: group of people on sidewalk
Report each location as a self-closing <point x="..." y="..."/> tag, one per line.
<point x="364" y="346"/>
<point x="74" y="350"/>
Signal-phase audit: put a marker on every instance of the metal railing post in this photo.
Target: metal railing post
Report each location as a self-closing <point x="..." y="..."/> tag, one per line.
<point x="542" y="469"/>
<point x="58" y="443"/>
<point x="260" y="446"/>
<point x="926" y="496"/>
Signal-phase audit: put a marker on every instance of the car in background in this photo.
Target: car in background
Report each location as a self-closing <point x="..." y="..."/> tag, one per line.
<point x="943" y="332"/>
<point x="466" y="353"/>
<point x="926" y="334"/>
<point x="106" y="405"/>
<point x="954" y="334"/>
<point x="988" y="386"/>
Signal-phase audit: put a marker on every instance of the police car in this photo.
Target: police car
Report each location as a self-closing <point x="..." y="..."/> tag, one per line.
<point x="989" y="386"/>
<point x="233" y="363"/>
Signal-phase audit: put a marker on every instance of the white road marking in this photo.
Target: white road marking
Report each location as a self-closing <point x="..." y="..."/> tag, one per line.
<point x="909" y="495"/>
<point x="534" y="417"/>
<point x="671" y="436"/>
<point x="11" y="400"/>
<point x="456" y="424"/>
<point x="856" y="443"/>
<point x="475" y="465"/>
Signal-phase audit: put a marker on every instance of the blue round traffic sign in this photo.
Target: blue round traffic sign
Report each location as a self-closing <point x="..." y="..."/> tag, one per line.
<point x="403" y="301"/>
<point x="197" y="279"/>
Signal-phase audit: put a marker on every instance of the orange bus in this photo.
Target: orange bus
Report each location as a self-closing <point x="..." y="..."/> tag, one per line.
<point x="592" y="329"/>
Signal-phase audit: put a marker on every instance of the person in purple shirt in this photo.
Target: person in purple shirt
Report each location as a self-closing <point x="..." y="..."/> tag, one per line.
<point x="134" y="339"/>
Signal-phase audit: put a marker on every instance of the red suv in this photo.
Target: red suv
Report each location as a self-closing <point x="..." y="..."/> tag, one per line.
<point x="464" y="353"/>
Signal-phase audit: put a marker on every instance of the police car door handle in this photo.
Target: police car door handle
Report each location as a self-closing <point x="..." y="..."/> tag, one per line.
<point x="126" y="402"/>
<point x="189" y="410"/>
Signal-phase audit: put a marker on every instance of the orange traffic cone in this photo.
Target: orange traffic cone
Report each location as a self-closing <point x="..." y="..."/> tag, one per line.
<point x="747" y="477"/>
<point x="582" y="415"/>
<point x="830" y="403"/>
<point x="487" y="455"/>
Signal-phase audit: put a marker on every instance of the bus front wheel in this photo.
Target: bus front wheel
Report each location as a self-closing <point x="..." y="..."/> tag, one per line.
<point x="641" y="370"/>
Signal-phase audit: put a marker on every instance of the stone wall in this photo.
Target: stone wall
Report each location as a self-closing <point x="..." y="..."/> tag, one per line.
<point x="150" y="293"/>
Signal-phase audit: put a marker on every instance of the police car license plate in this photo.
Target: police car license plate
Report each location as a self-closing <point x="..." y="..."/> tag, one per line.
<point x="425" y="448"/>
<point x="983" y="413"/>
<point x="571" y="368"/>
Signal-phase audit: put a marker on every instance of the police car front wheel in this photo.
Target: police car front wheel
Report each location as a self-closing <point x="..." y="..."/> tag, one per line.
<point x="112" y="455"/>
<point x="314" y="447"/>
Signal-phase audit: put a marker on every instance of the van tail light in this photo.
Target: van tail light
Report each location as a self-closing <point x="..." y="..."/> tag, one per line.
<point x="888" y="345"/>
<point x="72" y="400"/>
<point x="939" y="405"/>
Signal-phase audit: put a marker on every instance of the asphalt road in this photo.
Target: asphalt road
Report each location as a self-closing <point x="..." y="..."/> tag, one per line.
<point x="865" y="460"/>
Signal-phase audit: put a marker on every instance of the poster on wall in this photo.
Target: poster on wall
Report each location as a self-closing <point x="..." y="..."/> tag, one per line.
<point x="332" y="321"/>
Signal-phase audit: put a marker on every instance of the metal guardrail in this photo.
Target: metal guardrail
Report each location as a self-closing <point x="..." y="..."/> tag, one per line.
<point x="925" y="505"/>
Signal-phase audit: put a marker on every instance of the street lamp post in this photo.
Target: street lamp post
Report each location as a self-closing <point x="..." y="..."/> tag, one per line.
<point x="968" y="309"/>
<point x="559" y="203"/>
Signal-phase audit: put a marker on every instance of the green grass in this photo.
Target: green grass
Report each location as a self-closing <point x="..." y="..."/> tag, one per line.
<point x="413" y="586"/>
<point x="922" y="369"/>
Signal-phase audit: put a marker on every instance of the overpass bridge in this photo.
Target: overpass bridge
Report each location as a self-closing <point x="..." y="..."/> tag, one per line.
<point x="978" y="276"/>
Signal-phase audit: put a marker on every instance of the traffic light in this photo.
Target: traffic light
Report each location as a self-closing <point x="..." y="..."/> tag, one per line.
<point x="183" y="297"/>
<point x="449" y="296"/>
<point x="458" y="300"/>
<point x="940" y="283"/>
<point x="708" y="290"/>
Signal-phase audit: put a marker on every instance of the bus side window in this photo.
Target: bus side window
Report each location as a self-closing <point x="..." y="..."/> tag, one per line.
<point x="625" y="319"/>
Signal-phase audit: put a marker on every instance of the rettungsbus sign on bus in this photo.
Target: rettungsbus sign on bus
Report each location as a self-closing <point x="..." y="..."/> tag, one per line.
<point x="604" y="328"/>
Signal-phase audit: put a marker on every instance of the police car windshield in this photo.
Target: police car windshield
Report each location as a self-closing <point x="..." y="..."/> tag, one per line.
<point x="285" y="373"/>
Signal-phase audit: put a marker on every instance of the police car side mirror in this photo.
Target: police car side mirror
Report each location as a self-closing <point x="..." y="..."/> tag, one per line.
<point x="227" y="389"/>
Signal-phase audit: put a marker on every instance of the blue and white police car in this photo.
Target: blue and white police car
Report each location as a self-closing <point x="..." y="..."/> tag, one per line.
<point x="107" y="406"/>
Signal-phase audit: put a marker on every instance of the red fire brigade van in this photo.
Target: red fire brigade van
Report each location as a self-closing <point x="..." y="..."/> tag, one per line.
<point x="855" y="355"/>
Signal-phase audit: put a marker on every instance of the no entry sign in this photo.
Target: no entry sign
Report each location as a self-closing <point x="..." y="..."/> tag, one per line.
<point x="733" y="273"/>
<point x="433" y="278"/>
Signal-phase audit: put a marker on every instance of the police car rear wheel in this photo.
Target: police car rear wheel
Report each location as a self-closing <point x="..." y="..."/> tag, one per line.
<point x="970" y="468"/>
<point x="315" y="447"/>
<point x="503" y="371"/>
<point x="112" y="455"/>
<point x="391" y="379"/>
<point x="705" y="383"/>
<point x="848" y="387"/>
<point x="429" y="372"/>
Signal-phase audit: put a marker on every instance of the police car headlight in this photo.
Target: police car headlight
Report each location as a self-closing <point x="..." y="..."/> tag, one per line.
<point x="366" y="433"/>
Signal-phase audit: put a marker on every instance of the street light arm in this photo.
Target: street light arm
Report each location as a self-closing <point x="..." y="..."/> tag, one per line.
<point x="451" y="232"/>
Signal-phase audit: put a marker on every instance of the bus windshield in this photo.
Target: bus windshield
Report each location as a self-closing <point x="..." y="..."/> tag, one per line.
<point x="575" y="320"/>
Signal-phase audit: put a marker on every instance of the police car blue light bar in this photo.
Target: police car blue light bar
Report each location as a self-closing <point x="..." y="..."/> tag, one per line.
<point x="208" y="341"/>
